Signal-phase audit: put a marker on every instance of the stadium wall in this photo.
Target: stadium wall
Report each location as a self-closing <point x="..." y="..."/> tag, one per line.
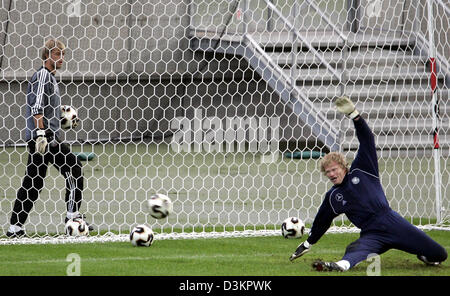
<point x="131" y="61"/>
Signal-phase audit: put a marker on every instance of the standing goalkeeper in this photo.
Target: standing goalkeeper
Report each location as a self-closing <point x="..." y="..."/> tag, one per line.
<point x="357" y="192"/>
<point x="44" y="146"/>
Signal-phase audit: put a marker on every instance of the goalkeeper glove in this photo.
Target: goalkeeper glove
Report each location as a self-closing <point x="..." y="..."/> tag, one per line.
<point x="302" y="249"/>
<point x="41" y="142"/>
<point x="75" y="122"/>
<point x="345" y="106"/>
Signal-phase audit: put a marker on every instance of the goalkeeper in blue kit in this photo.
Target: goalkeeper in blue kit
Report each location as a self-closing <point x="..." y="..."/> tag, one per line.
<point x="357" y="193"/>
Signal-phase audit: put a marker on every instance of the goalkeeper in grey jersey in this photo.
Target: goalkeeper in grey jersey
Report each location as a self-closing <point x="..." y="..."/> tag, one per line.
<point x="44" y="145"/>
<point x="357" y="193"/>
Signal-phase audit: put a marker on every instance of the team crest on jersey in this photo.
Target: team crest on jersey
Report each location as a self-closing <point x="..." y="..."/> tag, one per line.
<point x="355" y="180"/>
<point x="339" y="197"/>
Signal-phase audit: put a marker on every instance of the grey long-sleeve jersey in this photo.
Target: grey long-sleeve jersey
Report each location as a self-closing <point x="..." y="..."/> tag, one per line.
<point x="43" y="97"/>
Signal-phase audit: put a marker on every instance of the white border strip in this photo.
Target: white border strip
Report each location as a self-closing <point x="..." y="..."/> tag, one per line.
<point x="111" y="237"/>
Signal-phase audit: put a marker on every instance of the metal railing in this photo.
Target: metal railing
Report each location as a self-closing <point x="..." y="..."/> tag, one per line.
<point x="294" y="94"/>
<point x="444" y="6"/>
<point x="298" y="36"/>
<point x="326" y="18"/>
<point x="306" y="107"/>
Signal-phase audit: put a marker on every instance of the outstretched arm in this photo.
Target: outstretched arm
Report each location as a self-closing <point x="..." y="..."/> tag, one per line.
<point x="321" y="223"/>
<point x="366" y="159"/>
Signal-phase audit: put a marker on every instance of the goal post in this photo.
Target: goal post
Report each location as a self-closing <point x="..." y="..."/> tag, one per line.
<point x="226" y="106"/>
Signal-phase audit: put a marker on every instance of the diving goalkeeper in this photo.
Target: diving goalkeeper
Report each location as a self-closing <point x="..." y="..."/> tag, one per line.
<point x="357" y="193"/>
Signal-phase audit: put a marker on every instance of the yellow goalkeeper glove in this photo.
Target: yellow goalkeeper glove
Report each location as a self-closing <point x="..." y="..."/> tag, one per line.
<point x="346" y="106"/>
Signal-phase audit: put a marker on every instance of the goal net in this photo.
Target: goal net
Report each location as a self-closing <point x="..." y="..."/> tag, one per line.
<point x="226" y="106"/>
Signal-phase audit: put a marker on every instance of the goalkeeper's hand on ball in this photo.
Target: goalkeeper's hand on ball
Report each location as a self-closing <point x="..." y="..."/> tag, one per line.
<point x="302" y="249"/>
<point x="41" y="142"/>
<point x="346" y="106"/>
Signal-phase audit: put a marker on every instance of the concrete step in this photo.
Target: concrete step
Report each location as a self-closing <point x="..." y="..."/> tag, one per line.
<point x="403" y="126"/>
<point x="373" y="57"/>
<point x="282" y="40"/>
<point x="417" y="73"/>
<point x="402" y="152"/>
<point x="390" y="109"/>
<point x="399" y="142"/>
<point x="385" y="92"/>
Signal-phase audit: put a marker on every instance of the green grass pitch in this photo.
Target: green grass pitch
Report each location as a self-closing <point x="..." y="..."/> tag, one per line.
<point x="253" y="256"/>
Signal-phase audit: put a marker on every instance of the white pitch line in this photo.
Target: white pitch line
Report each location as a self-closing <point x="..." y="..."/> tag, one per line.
<point x="175" y="257"/>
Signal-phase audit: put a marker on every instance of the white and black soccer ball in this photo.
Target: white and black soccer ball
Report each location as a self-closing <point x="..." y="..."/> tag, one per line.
<point x="292" y="227"/>
<point x="76" y="227"/>
<point x="69" y="117"/>
<point x="159" y="206"/>
<point x="141" y="236"/>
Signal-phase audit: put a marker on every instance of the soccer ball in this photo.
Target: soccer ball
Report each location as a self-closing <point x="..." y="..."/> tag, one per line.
<point x="292" y="228"/>
<point x="141" y="236"/>
<point x="159" y="206"/>
<point x="69" y="117"/>
<point x="76" y="227"/>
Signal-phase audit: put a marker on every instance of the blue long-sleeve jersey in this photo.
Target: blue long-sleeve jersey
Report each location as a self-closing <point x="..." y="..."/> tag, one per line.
<point x="360" y="196"/>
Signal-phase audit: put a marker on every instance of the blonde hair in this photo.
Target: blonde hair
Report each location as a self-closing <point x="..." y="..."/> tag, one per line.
<point x="49" y="46"/>
<point x="336" y="157"/>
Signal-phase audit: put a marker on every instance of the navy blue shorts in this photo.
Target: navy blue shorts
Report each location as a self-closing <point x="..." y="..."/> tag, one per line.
<point x="392" y="231"/>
